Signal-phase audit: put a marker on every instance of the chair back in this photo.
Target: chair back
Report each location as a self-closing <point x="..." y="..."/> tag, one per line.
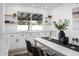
<point x="29" y="46"/>
<point x="36" y="52"/>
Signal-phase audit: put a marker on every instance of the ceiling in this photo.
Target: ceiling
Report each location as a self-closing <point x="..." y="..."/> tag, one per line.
<point x="46" y="6"/>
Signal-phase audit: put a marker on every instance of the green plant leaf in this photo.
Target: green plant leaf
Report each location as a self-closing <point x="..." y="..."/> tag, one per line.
<point x="62" y="25"/>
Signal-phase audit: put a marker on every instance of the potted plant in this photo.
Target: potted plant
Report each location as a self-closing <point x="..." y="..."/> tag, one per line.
<point x="61" y="26"/>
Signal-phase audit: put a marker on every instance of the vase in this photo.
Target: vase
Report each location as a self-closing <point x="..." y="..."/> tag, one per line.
<point x="62" y="38"/>
<point x="60" y="35"/>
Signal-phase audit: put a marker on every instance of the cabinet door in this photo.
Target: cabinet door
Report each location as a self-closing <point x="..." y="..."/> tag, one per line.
<point x="21" y="40"/>
<point x="16" y="41"/>
<point x="12" y="41"/>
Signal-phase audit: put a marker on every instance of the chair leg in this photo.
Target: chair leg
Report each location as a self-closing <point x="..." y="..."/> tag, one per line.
<point x="27" y="54"/>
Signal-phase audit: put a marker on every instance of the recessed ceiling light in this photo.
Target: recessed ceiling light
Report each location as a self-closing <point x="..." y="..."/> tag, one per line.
<point x="45" y="7"/>
<point x="33" y="5"/>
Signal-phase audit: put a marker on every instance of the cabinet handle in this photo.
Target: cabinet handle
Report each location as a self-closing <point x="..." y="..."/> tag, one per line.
<point x="17" y="40"/>
<point x="22" y="35"/>
<point x="12" y="35"/>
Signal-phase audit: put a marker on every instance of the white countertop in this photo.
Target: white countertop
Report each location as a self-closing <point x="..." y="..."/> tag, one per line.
<point x="10" y="32"/>
<point x="59" y="48"/>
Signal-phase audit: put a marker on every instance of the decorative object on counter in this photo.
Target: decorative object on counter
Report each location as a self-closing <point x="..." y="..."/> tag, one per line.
<point x="10" y="18"/>
<point x="77" y="40"/>
<point x="61" y="26"/>
<point x="65" y="40"/>
<point x="74" y="42"/>
<point x="7" y="21"/>
<point x="49" y="18"/>
<point x="48" y="24"/>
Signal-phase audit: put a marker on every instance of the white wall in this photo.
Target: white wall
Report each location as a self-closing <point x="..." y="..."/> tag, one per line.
<point x="3" y="41"/>
<point x="62" y="12"/>
<point x="10" y="27"/>
<point x="14" y="8"/>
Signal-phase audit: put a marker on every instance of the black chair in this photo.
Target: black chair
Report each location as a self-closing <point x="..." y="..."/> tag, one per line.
<point x="43" y="52"/>
<point x="38" y="52"/>
<point x="29" y="47"/>
<point x="35" y="51"/>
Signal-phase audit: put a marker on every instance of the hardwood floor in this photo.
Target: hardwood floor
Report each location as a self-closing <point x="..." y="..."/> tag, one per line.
<point x="18" y="52"/>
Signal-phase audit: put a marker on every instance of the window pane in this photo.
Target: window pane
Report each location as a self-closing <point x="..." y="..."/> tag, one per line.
<point x="26" y="22"/>
<point x="37" y="22"/>
<point x="23" y="20"/>
<point x="22" y="27"/>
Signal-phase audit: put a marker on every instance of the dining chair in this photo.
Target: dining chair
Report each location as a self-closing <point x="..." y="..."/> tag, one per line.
<point x="29" y="47"/>
<point x="35" y="51"/>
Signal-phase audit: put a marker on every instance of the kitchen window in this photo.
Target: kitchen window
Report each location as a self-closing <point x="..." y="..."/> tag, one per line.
<point x="29" y="21"/>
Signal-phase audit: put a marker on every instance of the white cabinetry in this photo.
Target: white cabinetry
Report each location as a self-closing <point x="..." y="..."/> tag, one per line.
<point x="17" y="39"/>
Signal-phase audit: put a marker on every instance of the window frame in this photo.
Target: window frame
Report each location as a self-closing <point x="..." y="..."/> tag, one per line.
<point x="30" y="28"/>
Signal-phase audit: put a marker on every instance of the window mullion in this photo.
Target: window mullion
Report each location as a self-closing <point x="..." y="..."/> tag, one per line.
<point x="31" y="22"/>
